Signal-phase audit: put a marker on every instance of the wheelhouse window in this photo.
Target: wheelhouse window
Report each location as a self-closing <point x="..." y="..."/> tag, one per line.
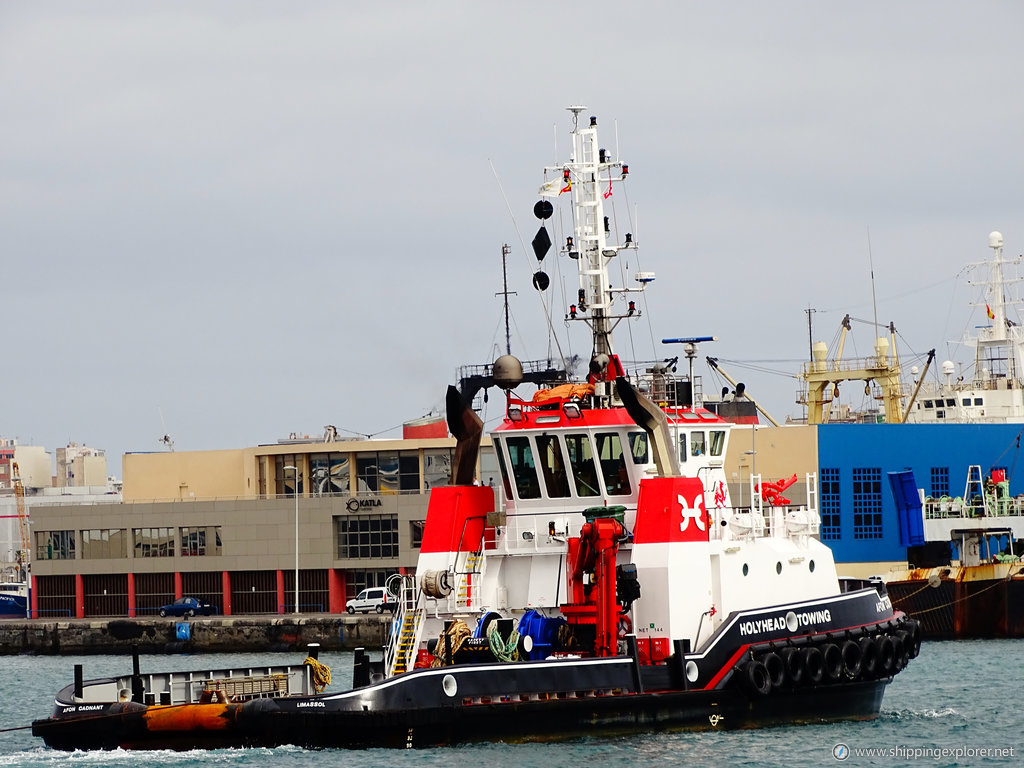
<point x="697" y="446"/>
<point x="524" y="468"/>
<point x="552" y="465"/>
<point x="502" y="469"/>
<point x="638" y="447"/>
<point x="613" y="464"/>
<point x="584" y="470"/>
<point x="716" y="442"/>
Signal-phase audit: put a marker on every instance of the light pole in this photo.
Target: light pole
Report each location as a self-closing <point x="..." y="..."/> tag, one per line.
<point x="295" y="491"/>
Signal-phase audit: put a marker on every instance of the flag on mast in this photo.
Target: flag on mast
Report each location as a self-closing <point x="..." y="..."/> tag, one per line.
<point x="988" y="311"/>
<point x="609" y="192"/>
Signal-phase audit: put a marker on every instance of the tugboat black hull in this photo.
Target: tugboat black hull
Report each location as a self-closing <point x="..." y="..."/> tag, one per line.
<point x="538" y="720"/>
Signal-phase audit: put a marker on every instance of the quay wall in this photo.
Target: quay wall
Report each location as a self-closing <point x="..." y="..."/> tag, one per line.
<point x="197" y="635"/>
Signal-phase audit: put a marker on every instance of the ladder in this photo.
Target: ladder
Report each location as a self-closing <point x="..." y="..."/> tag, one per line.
<point x="464" y="592"/>
<point x="404" y="629"/>
<point x="975" y="503"/>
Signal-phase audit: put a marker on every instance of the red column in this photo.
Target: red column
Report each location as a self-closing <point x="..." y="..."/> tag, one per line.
<point x="131" y="595"/>
<point x="335" y="590"/>
<point x="34" y="589"/>
<point x="178" y="590"/>
<point x="79" y="596"/>
<point x="225" y="582"/>
<point x="280" y="591"/>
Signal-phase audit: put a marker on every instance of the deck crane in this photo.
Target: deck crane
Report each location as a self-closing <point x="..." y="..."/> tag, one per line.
<point x="713" y="363"/>
<point x="19" y="495"/>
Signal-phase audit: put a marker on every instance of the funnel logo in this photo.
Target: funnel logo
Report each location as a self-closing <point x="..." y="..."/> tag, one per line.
<point x="693" y="512"/>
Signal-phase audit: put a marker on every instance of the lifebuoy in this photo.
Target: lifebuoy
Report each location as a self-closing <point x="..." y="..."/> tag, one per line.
<point x="794" y="661"/>
<point x="775" y="667"/>
<point x="833" y="659"/>
<point x="814" y="664"/>
<point x="757" y="678"/>
<point x="852" y="659"/>
<point x="625" y="625"/>
<point x="869" y="657"/>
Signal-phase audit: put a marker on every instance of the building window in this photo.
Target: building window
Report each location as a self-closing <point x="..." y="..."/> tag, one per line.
<point x="416" y="533"/>
<point x="330" y="474"/>
<point x="198" y="542"/>
<point x="437" y="467"/>
<point x="940" y="482"/>
<point x="357" y="581"/>
<point x="830" y="529"/>
<point x="284" y="479"/>
<point x="154" y="542"/>
<point x="867" y="503"/>
<point x="388" y="472"/>
<point x="55" y="545"/>
<point x="367" y="536"/>
<point x="104" y="543"/>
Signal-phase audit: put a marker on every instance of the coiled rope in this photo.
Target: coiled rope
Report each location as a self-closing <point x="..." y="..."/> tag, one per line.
<point x="459" y="632"/>
<point x="320" y="673"/>
<point x="502" y="650"/>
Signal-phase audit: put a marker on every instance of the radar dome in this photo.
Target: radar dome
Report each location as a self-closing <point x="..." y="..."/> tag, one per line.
<point x="507" y="372"/>
<point x="948" y="368"/>
<point x="995" y="239"/>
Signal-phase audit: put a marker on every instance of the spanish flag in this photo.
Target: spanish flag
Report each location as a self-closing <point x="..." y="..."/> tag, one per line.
<point x="988" y="311"/>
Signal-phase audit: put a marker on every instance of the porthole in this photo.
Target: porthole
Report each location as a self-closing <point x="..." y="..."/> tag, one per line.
<point x="778" y="567"/>
<point x="811" y="566"/>
<point x="746" y="569"/>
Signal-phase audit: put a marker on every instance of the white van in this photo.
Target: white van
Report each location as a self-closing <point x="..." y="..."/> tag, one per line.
<point x="371" y="599"/>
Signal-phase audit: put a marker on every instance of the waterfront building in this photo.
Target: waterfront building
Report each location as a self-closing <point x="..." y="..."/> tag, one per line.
<point x="228" y="527"/>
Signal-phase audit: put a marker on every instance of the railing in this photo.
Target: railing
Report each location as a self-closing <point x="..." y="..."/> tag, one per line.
<point x="946" y="507"/>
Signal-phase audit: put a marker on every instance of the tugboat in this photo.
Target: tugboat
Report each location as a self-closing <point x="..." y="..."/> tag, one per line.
<point x="616" y="589"/>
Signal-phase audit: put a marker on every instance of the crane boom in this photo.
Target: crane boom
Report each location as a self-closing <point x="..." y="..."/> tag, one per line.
<point x="713" y="362"/>
<point x="19" y="495"/>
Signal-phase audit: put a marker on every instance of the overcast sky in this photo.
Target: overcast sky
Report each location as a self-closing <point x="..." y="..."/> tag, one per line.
<point x="260" y="218"/>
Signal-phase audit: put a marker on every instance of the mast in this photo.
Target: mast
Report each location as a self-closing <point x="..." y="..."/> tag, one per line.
<point x="589" y="176"/>
<point x="999" y="343"/>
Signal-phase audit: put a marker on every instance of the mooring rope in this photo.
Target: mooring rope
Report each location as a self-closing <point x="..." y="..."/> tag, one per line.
<point x="320" y="673"/>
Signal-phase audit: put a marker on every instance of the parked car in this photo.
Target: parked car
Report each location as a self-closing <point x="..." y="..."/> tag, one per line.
<point x="372" y="599"/>
<point x="187" y="606"/>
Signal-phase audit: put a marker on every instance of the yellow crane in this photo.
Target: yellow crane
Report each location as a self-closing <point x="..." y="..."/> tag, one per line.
<point x="19" y="495"/>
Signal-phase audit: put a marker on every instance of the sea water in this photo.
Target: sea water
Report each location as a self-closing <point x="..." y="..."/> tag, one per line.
<point x="957" y="704"/>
